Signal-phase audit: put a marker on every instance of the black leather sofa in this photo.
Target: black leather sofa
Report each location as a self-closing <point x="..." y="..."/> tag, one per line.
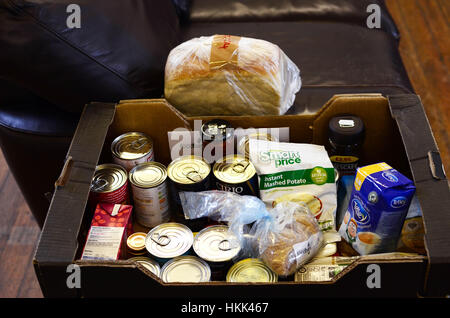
<point x="48" y="71"/>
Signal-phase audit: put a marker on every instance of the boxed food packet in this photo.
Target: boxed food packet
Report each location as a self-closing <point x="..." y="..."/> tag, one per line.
<point x="377" y="209"/>
<point x="107" y="237"/>
<point x="230" y="75"/>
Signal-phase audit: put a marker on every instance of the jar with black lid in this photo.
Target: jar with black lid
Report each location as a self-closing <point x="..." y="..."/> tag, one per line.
<point x="345" y="139"/>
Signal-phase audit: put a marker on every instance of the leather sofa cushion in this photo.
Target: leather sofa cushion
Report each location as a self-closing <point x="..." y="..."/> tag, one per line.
<point x="349" y="11"/>
<point x="23" y="111"/>
<point x="335" y="56"/>
<point x="182" y="8"/>
<point x="38" y="118"/>
<point x="118" y="53"/>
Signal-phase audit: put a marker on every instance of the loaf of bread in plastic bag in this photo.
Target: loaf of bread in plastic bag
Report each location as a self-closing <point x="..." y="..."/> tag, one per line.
<point x="298" y="242"/>
<point x="230" y="75"/>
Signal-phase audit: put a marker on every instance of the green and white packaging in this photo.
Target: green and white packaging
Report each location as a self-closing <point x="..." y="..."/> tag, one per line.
<point x="298" y="173"/>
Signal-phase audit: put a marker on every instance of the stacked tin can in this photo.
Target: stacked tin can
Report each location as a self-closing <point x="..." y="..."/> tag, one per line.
<point x="109" y="185"/>
<point x="170" y="245"/>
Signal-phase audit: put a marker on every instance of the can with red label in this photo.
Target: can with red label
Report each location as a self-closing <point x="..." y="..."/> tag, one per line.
<point x="109" y="185"/>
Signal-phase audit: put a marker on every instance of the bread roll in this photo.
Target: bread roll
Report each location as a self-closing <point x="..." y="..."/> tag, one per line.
<point x="228" y="75"/>
<point x="296" y="244"/>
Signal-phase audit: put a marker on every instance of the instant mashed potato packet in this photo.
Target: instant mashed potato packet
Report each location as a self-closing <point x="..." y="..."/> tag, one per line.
<point x="301" y="173"/>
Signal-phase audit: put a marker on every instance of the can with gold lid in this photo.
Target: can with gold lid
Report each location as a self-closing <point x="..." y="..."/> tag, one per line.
<point x="186" y="269"/>
<point x="109" y="185"/>
<point x="251" y="270"/>
<point x="243" y="146"/>
<point x="150" y="193"/>
<point x="235" y="173"/>
<point x="188" y="173"/>
<point x="131" y="149"/>
<point x="169" y="240"/>
<point x="218" y="247"/>
<point x="149" y="264"/>
<point x="136" y="244"/>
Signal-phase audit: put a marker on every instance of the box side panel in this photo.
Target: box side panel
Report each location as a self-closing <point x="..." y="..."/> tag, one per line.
<point x="432" y="188"/>
<point x="58" y="241"/>
<point x="57" y="281"/>
<point x="364" y="280"/>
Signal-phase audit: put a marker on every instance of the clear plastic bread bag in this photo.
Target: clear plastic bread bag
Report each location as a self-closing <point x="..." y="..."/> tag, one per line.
<point x="230" y="75"/>
<point x="284" y="237"/>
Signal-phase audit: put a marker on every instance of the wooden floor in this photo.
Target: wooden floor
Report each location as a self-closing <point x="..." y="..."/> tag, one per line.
<point x="425" y="49"/>
<point x="18" y="236"/>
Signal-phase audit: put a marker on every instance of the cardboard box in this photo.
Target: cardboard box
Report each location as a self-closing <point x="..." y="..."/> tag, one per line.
<point x="397" y="132"/>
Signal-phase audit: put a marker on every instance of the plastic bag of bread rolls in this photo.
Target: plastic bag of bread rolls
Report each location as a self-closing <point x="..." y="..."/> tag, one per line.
<point x="284" y="237"/>
<point x="289" y="239"/>
<point x="230" y="75"/>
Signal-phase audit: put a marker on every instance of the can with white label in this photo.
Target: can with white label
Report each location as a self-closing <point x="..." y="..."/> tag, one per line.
<point x="150" y="193"/>
<point x="131" y="149"/>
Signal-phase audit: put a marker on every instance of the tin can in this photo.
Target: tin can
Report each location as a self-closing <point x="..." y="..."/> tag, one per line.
<point x="186" y="269"/>
<point x="150" y="193"/>
<point x="235" y="173"/>
<point x="188" y="173"/>
<point x="131" y="149"/>
<point x="217" y="247"/>
<point x="136" y="244"/>
<point x="169" y="240"/>
<point x="220" y="134"/>
<point x="243" y="146"/>
<point x="109" y="185"/>
<point x="251" y="270"/>
<point x="149" y="264"/>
